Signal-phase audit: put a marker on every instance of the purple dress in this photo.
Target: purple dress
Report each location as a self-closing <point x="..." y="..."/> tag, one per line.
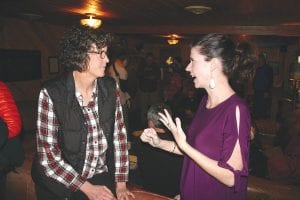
<point x="213" y="132"/>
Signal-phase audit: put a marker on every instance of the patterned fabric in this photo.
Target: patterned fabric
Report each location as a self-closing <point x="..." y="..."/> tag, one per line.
<point x="50" y="154"/>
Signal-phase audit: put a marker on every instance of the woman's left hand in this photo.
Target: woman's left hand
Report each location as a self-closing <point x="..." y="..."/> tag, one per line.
<point x="122" y="192"/>
<point x="174" y="127"/>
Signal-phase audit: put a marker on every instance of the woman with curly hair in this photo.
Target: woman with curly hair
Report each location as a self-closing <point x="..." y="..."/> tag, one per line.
<point x="81" y="138"/>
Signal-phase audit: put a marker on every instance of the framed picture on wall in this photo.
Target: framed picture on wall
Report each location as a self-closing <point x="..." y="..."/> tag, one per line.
<point x="53" y="65"/>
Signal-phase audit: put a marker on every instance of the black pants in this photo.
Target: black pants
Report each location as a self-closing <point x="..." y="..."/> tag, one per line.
<point x="3" y="185"/>
<point x="100" y="179"/>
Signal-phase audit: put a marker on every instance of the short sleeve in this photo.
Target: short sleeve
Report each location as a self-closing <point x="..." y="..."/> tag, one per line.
<point x="231" y="135"/>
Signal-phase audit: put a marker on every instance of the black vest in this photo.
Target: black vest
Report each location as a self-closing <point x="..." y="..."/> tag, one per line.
<point x="72" y="133"/>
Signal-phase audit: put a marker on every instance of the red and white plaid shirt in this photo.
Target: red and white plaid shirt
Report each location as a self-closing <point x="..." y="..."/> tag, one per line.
<point x="50" y="154"/>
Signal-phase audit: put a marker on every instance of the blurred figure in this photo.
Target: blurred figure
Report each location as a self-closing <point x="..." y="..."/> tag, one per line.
<point x="262" y="85"/>
<point x="160" y="170"/>
<point x="188" y="104"/>
<point x="11" y="150"/>
<point x="118" y="70"/>
<point x="149" y="90"/>
<point x="173" y="82"/>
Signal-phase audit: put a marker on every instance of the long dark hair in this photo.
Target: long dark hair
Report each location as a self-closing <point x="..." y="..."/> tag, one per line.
<point x="238" y="60"/>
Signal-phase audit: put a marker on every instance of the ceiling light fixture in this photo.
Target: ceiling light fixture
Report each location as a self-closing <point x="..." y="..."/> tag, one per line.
<point x="91" y="21"/>
<point x="197" y="9"/>
<point x="173" y="39"/>
<point x="31" y="16"/>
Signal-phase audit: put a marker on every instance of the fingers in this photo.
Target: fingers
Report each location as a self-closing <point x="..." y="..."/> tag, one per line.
<point x="168" y="114"/>
<point x="131" y="194"/>
<point x="107" y="194"/>
<point x="147" y="135"/>
<point x="166" y="119"/>
<point x="163" y="118"/>
<point x="178" y="123"/>
<point x="124" y="195"/>
<point x="107" y="190"/>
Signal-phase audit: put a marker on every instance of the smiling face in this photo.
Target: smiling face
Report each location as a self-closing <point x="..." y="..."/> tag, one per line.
<point x="199" y="69"/>
<point x="97" y="61"/>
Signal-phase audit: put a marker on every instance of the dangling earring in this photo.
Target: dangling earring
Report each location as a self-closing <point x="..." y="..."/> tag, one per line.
<point x="212" y="83"/>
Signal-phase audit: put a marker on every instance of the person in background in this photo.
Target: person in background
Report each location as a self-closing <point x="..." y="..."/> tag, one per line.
<point x="149" y="90"/>
<point x="3" y="140"/>
<point x="11" y="150"/>
<point x="216" y="147"/>
<point x="262" y="84"/>
<point x="81" y="138"/>
<point x="160" y="170"/>
<point x="118" y="71"/>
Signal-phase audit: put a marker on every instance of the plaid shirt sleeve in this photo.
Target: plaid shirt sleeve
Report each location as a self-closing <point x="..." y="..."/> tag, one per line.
<point x="120" y="143"/>
<point x="49" y="153"/>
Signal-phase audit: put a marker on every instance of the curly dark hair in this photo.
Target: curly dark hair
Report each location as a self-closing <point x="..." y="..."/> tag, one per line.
<point x="76" y="43"/>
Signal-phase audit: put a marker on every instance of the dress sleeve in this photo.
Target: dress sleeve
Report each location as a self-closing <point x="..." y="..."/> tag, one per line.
<point x="236" y="128"/>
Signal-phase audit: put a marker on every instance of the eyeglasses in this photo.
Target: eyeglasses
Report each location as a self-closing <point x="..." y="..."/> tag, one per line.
<point x="102" y="54"/>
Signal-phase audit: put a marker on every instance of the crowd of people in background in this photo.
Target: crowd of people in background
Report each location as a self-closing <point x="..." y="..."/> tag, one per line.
<point x="152" y="80"/>
<point x="149" y="93"/>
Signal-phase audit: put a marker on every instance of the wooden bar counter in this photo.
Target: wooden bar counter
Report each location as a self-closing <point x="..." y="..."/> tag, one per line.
<point x="141" y="194"/>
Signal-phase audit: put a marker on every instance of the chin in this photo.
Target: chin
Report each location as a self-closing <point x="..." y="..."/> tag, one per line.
<point x="101" y="73"/>
<point x="197" y="85"/>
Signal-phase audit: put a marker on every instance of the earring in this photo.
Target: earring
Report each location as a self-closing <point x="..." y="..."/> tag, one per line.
<point x="212" y="83"/>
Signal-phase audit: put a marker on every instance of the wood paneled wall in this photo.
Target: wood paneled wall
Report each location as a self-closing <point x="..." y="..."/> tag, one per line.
<point x="19" y="34"/>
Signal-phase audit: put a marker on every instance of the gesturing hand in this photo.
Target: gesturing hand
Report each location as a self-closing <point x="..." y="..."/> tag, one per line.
<point x="175" y="128"/>
<point x="149" y="135"/>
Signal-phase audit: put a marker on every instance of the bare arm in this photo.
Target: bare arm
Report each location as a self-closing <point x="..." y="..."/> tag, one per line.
<point x="211" y="166"/>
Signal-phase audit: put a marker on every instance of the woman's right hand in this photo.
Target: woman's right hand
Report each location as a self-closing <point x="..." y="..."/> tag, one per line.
<point x="177" y="197"/>
<point x="149" y="135"/>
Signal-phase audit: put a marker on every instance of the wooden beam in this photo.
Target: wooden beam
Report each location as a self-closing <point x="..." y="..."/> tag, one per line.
<point x="279" y="30"/>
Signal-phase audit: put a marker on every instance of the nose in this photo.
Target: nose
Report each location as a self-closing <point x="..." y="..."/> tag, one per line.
<point x="188" y="67"/>
<point x="106" y="59"/>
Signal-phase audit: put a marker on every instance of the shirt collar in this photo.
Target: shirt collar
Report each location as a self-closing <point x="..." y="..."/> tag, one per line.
<point x="94" y="94"/>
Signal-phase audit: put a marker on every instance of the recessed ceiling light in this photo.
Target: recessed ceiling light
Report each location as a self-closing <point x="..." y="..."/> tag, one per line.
<point x="197" y="9"/>
<point x="31" y="16"/>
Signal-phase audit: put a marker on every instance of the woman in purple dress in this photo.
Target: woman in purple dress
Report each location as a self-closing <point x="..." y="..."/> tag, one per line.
<point x="216" y="147"/>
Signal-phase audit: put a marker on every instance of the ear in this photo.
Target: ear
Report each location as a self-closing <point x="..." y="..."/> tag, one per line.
<point x="215" y="64"/>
